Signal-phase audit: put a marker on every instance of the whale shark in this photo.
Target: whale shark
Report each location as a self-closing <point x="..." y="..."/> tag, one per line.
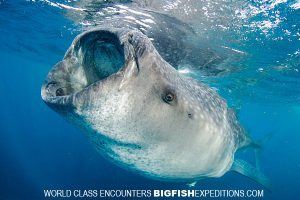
<point x="125" y="92"/>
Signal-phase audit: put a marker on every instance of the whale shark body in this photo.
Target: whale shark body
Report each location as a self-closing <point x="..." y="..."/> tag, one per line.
<point x="121" y="86"/>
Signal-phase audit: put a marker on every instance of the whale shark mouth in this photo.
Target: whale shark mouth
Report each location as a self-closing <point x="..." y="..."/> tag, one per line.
<point x="93" y="57"/>
<point x="102" y="55"/>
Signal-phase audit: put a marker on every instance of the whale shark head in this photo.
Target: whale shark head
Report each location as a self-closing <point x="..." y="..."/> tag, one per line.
<point x="138" y="110"/>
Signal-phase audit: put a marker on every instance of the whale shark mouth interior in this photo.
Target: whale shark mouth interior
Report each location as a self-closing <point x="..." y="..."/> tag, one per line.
<point x="100" y="55"/>
<point x="103" y="55"/>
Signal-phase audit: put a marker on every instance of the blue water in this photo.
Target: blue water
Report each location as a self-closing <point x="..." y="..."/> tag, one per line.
<point x="40" y="150"/>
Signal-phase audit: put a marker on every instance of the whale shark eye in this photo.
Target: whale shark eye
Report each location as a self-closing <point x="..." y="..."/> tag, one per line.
<point x="169" y="97"/>
<point x="60" y="92"/>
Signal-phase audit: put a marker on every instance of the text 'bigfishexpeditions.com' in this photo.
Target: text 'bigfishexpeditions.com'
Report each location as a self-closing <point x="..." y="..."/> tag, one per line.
<point x="48" y="193"/>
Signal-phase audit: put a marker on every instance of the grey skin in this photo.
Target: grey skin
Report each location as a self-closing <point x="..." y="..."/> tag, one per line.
<point x="141" y="113"/>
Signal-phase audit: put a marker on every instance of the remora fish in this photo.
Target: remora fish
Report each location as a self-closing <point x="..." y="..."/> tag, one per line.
<point x="141" y="113"/>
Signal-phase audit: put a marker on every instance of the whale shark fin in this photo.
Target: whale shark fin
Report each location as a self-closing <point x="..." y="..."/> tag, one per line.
<point x="192" y="184"/>
<point x="258" y="146"/>
<point x="247" y="170"/>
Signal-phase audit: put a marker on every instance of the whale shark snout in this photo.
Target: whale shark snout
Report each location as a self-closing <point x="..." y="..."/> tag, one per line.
<point x="92" y="57"/>
<point x="95" y="57"/>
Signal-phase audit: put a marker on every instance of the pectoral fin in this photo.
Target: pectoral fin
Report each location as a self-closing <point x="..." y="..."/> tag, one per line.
<point x="246" y="169"/>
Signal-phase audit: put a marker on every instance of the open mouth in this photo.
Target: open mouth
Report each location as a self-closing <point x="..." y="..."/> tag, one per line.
<point x="93" y="56"/>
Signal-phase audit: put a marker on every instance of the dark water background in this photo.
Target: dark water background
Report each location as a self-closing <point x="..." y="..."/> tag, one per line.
<point x="39" y="150"/>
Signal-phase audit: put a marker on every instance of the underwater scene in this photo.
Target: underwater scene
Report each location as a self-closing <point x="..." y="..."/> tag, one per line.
<point x="149" y="99"/>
